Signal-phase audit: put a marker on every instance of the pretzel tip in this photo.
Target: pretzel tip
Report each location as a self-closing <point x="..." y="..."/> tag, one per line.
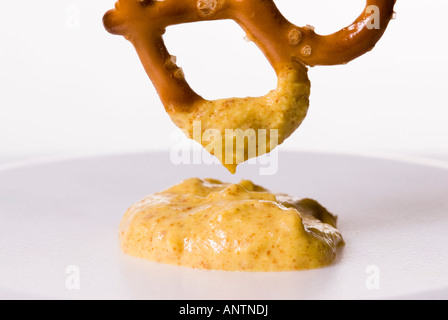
<point x="112" y="23"/>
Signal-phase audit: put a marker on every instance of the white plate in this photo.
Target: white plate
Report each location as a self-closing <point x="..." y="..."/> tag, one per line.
<point x="59" y="221"/>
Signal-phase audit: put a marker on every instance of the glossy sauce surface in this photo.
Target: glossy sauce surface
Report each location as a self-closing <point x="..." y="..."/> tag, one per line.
<point x="211" y="225"/>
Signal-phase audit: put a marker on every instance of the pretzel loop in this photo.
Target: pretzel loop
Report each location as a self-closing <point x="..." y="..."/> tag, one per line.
<point x="288" y="48"/>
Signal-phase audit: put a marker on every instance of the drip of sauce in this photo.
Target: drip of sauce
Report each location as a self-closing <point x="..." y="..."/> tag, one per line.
<point x="207" y="224"/>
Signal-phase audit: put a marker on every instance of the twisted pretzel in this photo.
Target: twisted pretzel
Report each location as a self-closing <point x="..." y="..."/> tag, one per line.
<point x="288" y="48"/>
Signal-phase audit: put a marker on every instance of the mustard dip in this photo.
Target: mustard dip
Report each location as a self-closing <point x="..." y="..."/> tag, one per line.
<point x="207" y="224"/>
<point x="267" y="121"/>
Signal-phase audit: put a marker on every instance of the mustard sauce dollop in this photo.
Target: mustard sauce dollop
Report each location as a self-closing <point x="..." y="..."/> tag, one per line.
<point x="207" y="224"/>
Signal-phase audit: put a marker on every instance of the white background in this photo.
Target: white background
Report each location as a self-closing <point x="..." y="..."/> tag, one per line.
<point x="69" y="87"/>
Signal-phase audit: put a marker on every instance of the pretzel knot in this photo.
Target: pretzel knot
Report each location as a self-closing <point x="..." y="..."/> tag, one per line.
<point x="289" y="49"/>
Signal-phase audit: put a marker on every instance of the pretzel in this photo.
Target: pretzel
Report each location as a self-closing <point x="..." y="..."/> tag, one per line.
<point x="289" y="49"/>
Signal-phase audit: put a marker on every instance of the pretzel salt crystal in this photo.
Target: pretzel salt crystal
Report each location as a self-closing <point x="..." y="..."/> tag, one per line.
<point x="287" y="47"/>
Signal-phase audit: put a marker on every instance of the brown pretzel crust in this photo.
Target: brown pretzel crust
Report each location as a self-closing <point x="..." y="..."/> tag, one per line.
<point x="143" y="22"/>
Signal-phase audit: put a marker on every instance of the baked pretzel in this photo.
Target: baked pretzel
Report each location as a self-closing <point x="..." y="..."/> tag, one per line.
<point x="288" y="48"/>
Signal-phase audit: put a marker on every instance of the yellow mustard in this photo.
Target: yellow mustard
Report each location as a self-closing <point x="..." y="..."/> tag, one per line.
<point x="208" y="224"/>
